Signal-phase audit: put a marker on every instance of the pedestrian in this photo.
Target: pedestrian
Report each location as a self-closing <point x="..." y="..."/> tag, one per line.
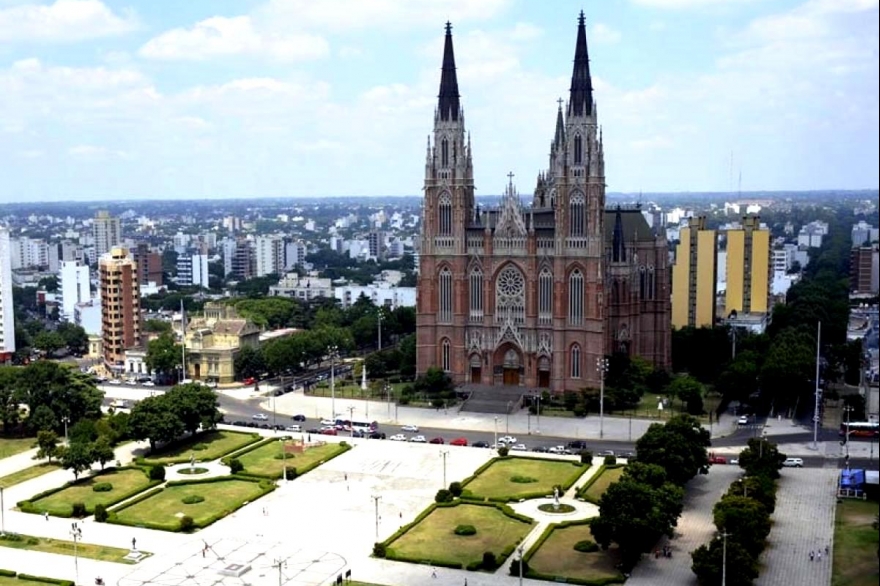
<point x="465" y="582"/>
<point x="433" y="572"/>
<point x="811" y="555"/>
<point x="819" y="556"/>
<point x="345" y="476"/>
<point x="46" y="515"/>
<point x="826" y="550"/>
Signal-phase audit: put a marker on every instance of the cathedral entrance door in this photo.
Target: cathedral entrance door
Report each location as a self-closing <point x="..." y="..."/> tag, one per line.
<point x="511" y="376"/>
<point x="476" y="365"/>
<point x="544" y="373"/>
<point x="511" y="368"/>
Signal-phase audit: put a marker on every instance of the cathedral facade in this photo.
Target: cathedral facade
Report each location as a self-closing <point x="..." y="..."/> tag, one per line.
<point x="535" y="296"/>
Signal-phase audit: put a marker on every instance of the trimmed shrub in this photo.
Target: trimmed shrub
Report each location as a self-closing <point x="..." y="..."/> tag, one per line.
<point x="291" y="473"/>
<point x="465" y="530"/>
<point x="489" y="561"/>
<point x="101" y="513"/>
<point x="443" y="496"/>
<point x="503" y="451"/>
<point x="157" y="472"/>
<point x="379" y="550"/>
<point x="586" y="456"/>
<point x="235" y="466"/>
<point x="192" y="499"/>
<point x="200" y="447"/>
<point x="515" y="570"/>
<point x="522" y="479"/>
<point x="79" y="510"/>
<point x="456" y="489"/>
<point x="610" y="460"/>
<point x="102" y="487"/>
<point x="586" y="546"/>
<point x="186" y="523"/>
<point x="7" y="573"/>
<point x="580" y="410"/>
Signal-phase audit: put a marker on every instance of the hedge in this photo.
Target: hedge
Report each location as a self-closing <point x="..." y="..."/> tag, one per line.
<point x="545" y="535"/>
<point x="30" y="505"/>
<point x="582" y="491"/>
<point x="468" y="496"/>
<point x="265" y="488"/>
<point x="30" y="578"/>
<point x="250" y="448"/>
<point x="297" y="471"/>
<point x="159" y="460"/>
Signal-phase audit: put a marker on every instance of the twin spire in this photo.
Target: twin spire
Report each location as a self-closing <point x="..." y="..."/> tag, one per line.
<point x="449" y="103"/>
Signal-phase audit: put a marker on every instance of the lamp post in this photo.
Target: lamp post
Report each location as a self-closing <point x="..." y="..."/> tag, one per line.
<point x="333" y="351"/>
<point x="351" y="421"/>
<point x="280" y="564"/>
<point x="848" y="409"/>
<point x="376" y="498"/>
<point x="76" y="533"/>
<point x="379" y="321"/>
<point x="724" y="559"/>
<point x="538" y="414"/>
<point x="521" y="554"/>
<point x="65" y="420"/>
<point x="495" y="445"/>
<point x="284" y="459"/>
<point x="507" y="423"/>
<point x="763" y="441"/>
<point x="2" y="514"/>
<point x="443" y="454"/>
<point x="602" y="367"/>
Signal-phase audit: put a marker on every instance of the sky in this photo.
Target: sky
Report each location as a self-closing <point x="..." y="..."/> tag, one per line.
<point x="170" y="99"/>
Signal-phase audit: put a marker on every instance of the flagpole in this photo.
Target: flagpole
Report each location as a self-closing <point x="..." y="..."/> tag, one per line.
<point x="817" y="395"/>
<point x="182" y="343"/>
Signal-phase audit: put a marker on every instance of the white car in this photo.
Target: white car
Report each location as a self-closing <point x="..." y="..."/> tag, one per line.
<point x="149" y="383"/>
<point x="260" y="417"/>
<point x="793" y="463"/>
<point x="419" y="439"/>
<point x="519" y="448"/>
<point x="507" y="439"/>
<point x="410" y="428"/>
<point x="115" y="381"/>
<point x="557" y="450"/>
<point x="398" y="437"/>
<point x="744" y="420"/>
<point x="293" y="428"/>
<point x="328" y="423"/>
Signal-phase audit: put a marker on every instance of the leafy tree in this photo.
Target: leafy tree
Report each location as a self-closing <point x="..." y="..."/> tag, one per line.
<point x="157" y="326"/>
<point x="679" y="447"/>
<point x="760" y="488"/>
<point x="83" y="431"/>
<point x="407" y="349"/>
<point x="249" y="362"/>
<point x="195" y="405"/>
<point x="74" y="336"/>
<point x="740" y="379"/>
<point x="742" y="568"/>
<point x="43" y="419"/>
<point x="689" y="391"/>
<point x="102" y="450"/>
<point x="153" y="419"/>
<point x="746" y="519"/>
<point x="49" y="342"/>
<point x="77" y="458"/>
<point x="47" y="444"/>
<point x="65" y="391"/>
<point x="164" y="355"/>
<point x="375" y="365"/>
<point x="761" y="458"/>
<point x="434" y="383"/>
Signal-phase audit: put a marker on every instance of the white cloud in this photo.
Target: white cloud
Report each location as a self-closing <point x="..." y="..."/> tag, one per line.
<point x="678" y="4"/>
<point x="88" y="152"/>
<point x="32" y="153"/>
<point x="602" y="33"/>
<point x="221" y="36"/>
<point x="63" y="21"/>
<point x="652" y="143"/>
<point x="524" y="31"/>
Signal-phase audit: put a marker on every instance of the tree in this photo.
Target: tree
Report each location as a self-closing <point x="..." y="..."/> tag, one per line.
<point x="152" y="419"/>
<point x="75" y="337"/>
<point x="742" y="569"/>
<point x="43" y="419"/>
<point x="77" y="458"/>
<point x="102" y="450"/>
<point x="761" y="458"/>
<point x="746" y="519"/>
<point x="679" y="447"/>
<point x="375" y="364"/>
<point x="164" y="355"/>
<point x="249" y="362"/>
<point x="435" y="383"/>
<point x="407" y="348"/>
<point x="47" y="444"/>
<point x="157" y="326"/>
<point x="689" y="391"/>
<point x="194" y="405"/>
<point x="67" y="392"/>
<point x="49" y="342"/>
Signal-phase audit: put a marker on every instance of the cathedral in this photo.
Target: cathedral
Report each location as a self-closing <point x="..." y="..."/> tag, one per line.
<point x="535" y="296"/>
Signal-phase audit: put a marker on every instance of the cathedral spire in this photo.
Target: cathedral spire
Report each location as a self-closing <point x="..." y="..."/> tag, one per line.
<point x="581" y="98"/>
<point x="618" y="246"/>
<point x="449" y="104"/>
<point x="559" y="138"/>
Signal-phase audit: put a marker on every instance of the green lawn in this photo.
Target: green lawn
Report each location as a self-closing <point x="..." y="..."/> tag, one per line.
<point x="595" y="491"/>
<point x="855" y="544"/>
<point x="433" y="538"/>
<point x="63" y="547"/>
<point x="495" y="482"/>
<point x="557" y="557"/>
<point x="12" y="446"/>
<point x="267" y="461"/>
<point x="28" y="473"/>
<point x="163" y="510"/>
<point x="205" y="446"/>
<point x="125" y="482"/>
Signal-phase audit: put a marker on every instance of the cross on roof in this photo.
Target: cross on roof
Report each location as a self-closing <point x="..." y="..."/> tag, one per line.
<point x="559" y="101"/>
<point x="510" y="177"/>
<point x="448" y="27"/>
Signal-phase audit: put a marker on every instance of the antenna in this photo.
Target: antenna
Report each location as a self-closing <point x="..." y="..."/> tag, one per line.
<point x="739" y="185"/>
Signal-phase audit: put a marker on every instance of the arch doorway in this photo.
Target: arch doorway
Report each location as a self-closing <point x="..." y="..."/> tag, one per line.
<point x="544" y="373"/>
<point x="511" y="367"/>
<point x="476" y="368"/>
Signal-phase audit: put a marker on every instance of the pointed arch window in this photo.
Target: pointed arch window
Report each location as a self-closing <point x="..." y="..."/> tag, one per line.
<point x="545" y="297"/>
<point x="578" y="150"/>
<point x="643" y="283"/>
<point x="444" y="209"/>
<point x="476" y="294"/>
<point x="652" y="283"/>
<point x="578" y="215"/>
<point x="576" y="361"/>
<point x="445" y="291"/>
<point x="444" y="153"/>
<point x="576" y="298"/>
<point x="446" y="355"/>
<point x="510" y="296"/>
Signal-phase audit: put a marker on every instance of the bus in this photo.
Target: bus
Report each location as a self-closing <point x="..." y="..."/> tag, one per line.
<point x="861" y="429"/>
<point x="346" y="425"/>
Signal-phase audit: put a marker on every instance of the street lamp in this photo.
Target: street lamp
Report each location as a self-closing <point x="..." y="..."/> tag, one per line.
<point x="76" y="533"/>
<point x="284" y="459"/>
<point x="724" y="559"/>
<point x="376" y="498"/>
<point x="351" y="421"/>
<point x="65" y="420"/>
<point x="443" y="454"/>
<point x="495" y="446"/>
<point x="521" y="553"/>
<point x="379" y="321"/>
<point x="507" y="423"/>
<point x="2" y="514"/>
<point x="602" y="367"/>
<point x="538" y="414"/>
<point x="848" y="409"/>
<point x="333" y="350"/>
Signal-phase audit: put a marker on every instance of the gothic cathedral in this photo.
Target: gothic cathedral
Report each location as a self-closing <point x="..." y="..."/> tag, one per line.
<point x="535" y="297"/>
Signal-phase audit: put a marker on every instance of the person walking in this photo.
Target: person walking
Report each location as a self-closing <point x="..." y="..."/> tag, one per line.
<point x="433" y="572"/>
<point x="811" y="555"/>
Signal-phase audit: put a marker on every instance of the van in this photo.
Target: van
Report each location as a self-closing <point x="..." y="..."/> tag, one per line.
<point x="793" y="463"/>
<point x="294" y="427"/>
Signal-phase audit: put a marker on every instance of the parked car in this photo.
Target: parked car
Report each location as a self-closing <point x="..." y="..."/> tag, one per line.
<point x="299" y="417"/>
<point x="115" y="381"/>
<point x="260" y="417"/>
<point x="240" y="423"/>
<point x="519" y="448"/>
<point x="480" y="444"/>
<point x="297" y="428"/>
<point x="149" y="383"/>
<point x="541" y="449"/>
<point x="734" y="461"/>
<point x="419" y="439"/>
<point x="714" y="459"/>
<point x="437" y="440"/>
<point x="577" y="445"/>
<point x="329" y="431"/>
<point x="459" y="441"/>
<point x="249" y="381"/>
<point x="507" y="439"/>
<point x="328" y="423"/>
<point x="398" y="437"/>
<point x="410" y="428"/>
<point x="604" y="453"/>
<point x="558" y="450"/>
<point x="377" y="435"/>
<point x="744" y="420"/>
<point x="793" y="463"/>
<point x="313" y="430"/>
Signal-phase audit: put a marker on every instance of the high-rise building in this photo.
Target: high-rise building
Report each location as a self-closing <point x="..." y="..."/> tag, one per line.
<point x="534" y="297"/>
<point x="120" y="306"/>
<point x="749" y="271"/>
<point x="106" y="231"/>
<point x="376" y="241"/>
<point x="75" y="287"/>
<point x="694" y="275"/>
<point x="295" y="253"/>
<point x="25" y="253"/>
<point x="864" y="269"/>
<point x="244" y="261"/>
<point x="7" y="317"/>
<point x="149" y="265"/>
<point x="269" y="252"/>
<point x="192" y="270"/>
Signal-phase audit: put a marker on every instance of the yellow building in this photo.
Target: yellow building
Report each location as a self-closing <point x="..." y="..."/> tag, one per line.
<point x="748" y="268"/>
<point x="694" y="275"/>
<point x="213" y="341"/>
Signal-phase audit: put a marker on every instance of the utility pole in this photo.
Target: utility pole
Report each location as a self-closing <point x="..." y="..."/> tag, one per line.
<point x="443" y="454"/>
<point x="333" y="349"/>
<point x="848" y="409"/>
<point x="602" y="367"/>
<point x="284" y="459"/>
<point x="817" y="395"/>
<point x="724" y="559"/>
<point x="280" y="564"/>
<point x="2" y="514"/>
<point x="538" y="415"/>
<point x="376" y="498"/>
<point x="495" y="445"/>
<point x="379" y="320"/>
<point x="351" y="421"/>
<point x="507" y="424"/>
<point x="76" y="533"/>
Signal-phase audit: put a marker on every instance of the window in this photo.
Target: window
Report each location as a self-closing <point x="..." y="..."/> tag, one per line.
<point x="510" y="296"/>
<point x="476" y="295"/>
<point x="578" y="150"/>
<point x="445" y="290"/>
<point x="575" y="361"/>
<point x="577" y="221"/>
<point x="445" y="355"/>
<point x="444" y="153"/>
<point x="445" y="211"/>
<point x="576" y="298"/>
<point x="545" y="296"/>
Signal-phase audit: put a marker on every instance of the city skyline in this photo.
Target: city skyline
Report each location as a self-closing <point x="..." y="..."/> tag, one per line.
<point x="129" y="100"/>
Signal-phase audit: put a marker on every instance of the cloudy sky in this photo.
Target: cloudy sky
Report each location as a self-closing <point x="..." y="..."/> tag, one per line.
<point x="229" y="98"/>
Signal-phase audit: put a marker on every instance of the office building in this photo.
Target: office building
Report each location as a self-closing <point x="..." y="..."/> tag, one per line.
<point x="376" y="242"/>
<point x="244" y="261"/>
<point x="149" y="265"/>
<point x="106" y="231"/>
<point x="748" y="268"/>
<point x="269" y="253"/>
<point x="694" y="275"/>
<point x="295" y="254"/>
<point x="7" y="316"/>
<point x="864" y="233"/>
<point x="192" y="270"/>
<point x="864" y="270"/>
<point x="75" y="287"/>
<point x="120" y="306"/>
<point x="28" y="253"/>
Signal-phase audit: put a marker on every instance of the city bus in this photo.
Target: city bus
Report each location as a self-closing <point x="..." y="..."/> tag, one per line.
<point x="346" y="425"/>
<point x="861" y="429"/>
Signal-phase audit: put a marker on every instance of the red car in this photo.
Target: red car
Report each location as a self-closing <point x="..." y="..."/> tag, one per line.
<point x="249" y="380"/>
<point x="713" y="459"/>
<point x="459" y="441"/>
<point x="437" y="440"/>
<point x="329" y="432"/>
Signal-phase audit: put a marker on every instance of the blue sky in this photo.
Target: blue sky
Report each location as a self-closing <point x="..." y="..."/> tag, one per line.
<point x="232" y="98"/>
